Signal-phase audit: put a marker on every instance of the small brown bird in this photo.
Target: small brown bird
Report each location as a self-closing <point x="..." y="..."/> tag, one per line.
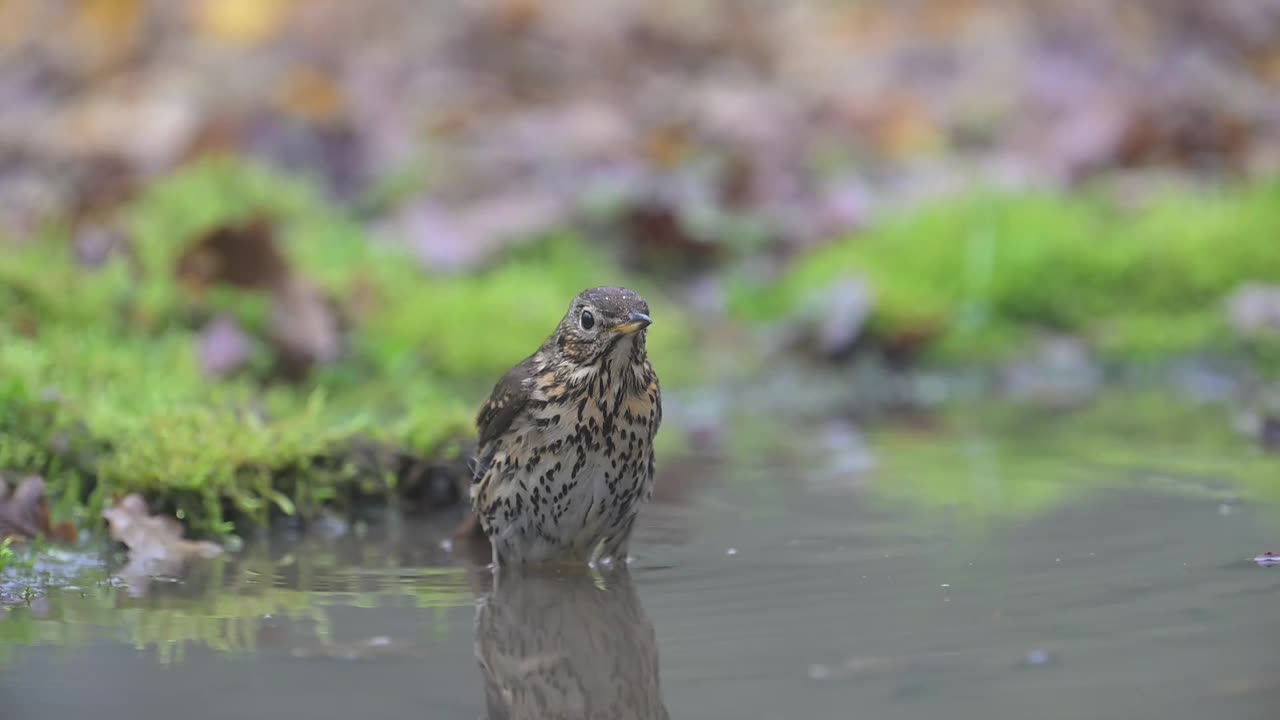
<point x="565" y="455"/>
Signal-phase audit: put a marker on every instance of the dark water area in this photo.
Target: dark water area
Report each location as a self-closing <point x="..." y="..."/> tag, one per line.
<point x="770" y="589"/>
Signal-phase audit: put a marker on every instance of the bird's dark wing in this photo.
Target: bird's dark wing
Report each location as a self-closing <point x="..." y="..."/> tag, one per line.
<point x="508" y="398"/>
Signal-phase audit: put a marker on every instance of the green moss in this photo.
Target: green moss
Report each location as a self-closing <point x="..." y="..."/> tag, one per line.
<point x="7" y="555"/>
<point x="101" y="385"/>
<point x="990" y="269"/>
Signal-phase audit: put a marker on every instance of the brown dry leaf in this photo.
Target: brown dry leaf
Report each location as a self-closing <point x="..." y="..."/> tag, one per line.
<point x="668" y="146"/>
<point x="24" y="513"/>
<point x="658" y="238"/>
<point x="109" y="16"/>
<point x="218" y="135"/>
<point x="155" y="542"/>
<point x="311" y="94"/>
<point x="903" y="347"/>
<point x="244" y="256"/>
<point x="101" y="185"/>
<point x="304" y="326"/>
<point x="109" y="27"/>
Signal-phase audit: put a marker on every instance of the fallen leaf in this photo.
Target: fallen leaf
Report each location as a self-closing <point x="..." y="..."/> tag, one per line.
<point x="667" y="146"/>
<point x="310" y="94"/>
<point x="658" y="237"/>
<point x="20" y="511"/>
<point x="156" y="544"/>
<point x="304" y="326"/>
<point x="103" y="184"/>
<point x="109" y="27"/>
<point x="24" y="513"/>
<point x="243" y="255"/>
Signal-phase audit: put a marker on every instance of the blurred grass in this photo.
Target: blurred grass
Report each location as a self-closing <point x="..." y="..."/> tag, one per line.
<point x="101" y="389"/>
<point x="989" y="270"/>
<point x="100" y="384"/>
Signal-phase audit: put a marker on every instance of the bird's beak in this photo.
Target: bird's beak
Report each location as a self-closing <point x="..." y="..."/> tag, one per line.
<point x="635" y="321"/>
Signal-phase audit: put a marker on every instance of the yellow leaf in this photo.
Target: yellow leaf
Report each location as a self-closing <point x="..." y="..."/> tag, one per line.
<point x="241" y="22"/>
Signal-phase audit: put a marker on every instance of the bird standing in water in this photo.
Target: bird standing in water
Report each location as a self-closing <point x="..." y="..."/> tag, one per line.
<point x="565" y="456"/>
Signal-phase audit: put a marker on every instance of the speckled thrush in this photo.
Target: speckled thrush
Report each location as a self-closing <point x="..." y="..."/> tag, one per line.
<point x="565" y="456"/>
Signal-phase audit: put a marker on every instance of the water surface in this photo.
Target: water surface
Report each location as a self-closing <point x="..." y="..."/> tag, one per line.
<point x="783" y="588"/>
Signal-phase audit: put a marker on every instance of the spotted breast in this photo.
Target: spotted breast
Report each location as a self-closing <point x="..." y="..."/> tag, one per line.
<point x="566" y="439"/>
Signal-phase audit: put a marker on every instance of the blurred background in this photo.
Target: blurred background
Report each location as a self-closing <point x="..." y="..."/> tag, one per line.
<point x="954" y="300"/>
<point x="305" y="237"/>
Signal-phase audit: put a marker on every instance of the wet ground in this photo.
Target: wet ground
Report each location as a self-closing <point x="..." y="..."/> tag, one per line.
<point x="786" y="589"/>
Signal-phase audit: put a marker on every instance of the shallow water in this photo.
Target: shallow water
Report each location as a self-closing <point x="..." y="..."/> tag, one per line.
<point x="769" y="589"/>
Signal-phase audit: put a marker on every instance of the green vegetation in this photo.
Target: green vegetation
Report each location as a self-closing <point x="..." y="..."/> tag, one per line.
<point x="7" y="555"/>
<point x="982" y="464"/>
<point x="101" y="388"/>
<point x="18" y="580"/>
<point x="1004" y="461"/>
<point x="102" y="392"/>
<point x="226" y="602"/>
<point x="987" y="271"/>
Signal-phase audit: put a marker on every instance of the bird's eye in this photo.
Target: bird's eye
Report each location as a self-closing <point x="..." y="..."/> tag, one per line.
<point x="588" y="320"/>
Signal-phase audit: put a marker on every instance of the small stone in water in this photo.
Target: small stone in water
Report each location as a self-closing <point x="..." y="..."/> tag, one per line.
<point x="1037" y="658"/>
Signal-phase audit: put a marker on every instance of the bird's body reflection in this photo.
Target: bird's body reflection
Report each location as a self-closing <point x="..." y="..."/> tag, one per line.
<point x="569" y="645"/>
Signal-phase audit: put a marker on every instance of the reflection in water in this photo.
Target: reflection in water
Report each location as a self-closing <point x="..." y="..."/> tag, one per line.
<point x="567" y="646"/>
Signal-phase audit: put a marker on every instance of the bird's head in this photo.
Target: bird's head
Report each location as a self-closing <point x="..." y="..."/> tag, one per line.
<point x="601" y="321"/>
